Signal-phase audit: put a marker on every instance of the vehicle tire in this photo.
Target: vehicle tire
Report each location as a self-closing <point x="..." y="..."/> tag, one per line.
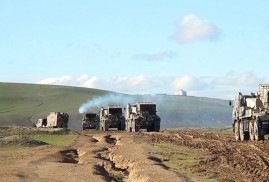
<point x="243" y="135"/>
<point x="256" y="132"/>
<point x="236" y="130"/>
<point x="133" y="126"/>
<point x="137" y="128"/>
<point x="251" y="131"/>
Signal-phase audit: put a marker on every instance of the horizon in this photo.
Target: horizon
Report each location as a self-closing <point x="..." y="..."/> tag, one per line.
<point x="209" y="49"/>
<point x="110" y="91"/>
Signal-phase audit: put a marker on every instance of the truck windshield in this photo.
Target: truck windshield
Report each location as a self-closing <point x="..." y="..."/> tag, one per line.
<point x="115" y="111"/>
<point x="89" y="116"/>
<point x="151" y="108"/>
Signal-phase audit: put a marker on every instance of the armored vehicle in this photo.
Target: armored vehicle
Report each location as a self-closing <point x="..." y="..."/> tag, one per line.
<point x="251" y="115"/>
<point x="90" y="121"/>
<point x="263" y="93"/>
<point x="57" y="120"/>
<point x="112" y="118"/>
<point x="142" y="115"/>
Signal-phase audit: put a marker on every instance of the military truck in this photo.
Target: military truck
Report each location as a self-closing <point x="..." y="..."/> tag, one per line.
<point x="140" y="116"/>
<point x="251" y="115"/>
<point x="57" y="120"/>
<point x="111" y="118"/>
<point x="90" y="121"/>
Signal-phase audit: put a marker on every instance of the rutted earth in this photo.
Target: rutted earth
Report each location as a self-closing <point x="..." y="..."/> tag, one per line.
<point x="121" y="156"/>
<point x="94" y="156"/>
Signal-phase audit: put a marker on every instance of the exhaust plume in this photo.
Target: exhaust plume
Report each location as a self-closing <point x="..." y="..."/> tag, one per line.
<point x="95" y="104"/>
<point x="175" y="111"/>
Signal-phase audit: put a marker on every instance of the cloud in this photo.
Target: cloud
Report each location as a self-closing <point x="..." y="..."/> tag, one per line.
<point x="244" y="79"/>
<point x="139" y="84"/>
<point x="225" y="86"/>
<point x="86" y="81"/>
<point x="56" y="80"/>
<point x="192" y="28"/>
<point x="90" y="83"/>
<point x="82" y="81"/>
<point x="83" y="78"/>
<point x="189" y="83"/>
<point x="160" y="56"/>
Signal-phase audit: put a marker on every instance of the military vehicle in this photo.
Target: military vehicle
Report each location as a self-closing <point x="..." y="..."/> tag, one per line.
<point x="142" y="115"/>
<point x="251" y="115"/>
<point x="112" y="118"/>
<point x="90" y="121"/>
<point x="57" y="120"/>
<point x="263" y="93"/>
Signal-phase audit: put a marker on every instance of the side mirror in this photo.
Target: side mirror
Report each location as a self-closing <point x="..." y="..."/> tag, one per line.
<point x="230" y="103"/>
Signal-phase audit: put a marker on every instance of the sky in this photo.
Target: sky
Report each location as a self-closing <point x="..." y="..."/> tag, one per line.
<point x="208" y="48"/>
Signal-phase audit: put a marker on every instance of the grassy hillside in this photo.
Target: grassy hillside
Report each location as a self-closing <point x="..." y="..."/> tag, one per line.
<point x="180" y="111"/>
<point x="22" y="103"/>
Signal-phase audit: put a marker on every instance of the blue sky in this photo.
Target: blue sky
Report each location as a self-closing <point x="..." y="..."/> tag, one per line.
<point x="209" y="48"/>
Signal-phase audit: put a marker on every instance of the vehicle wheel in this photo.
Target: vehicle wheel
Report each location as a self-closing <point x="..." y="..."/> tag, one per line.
<point x="119" y="127"/>
<point x="236" y="130"/>
<point x="256" y="132"/>
<point x="123" y="127"/>
<point x="243" y="135"/>
<point x="133" y="127"/>
<point x="251" y="131"/>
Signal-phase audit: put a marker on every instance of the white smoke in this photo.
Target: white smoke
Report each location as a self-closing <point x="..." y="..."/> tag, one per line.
<point x="174" y="111"/>
<point x="95" y="104"/>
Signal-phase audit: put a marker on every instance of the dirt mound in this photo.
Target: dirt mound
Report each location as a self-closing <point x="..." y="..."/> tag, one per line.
<point x="16" y="140"/>
<point x="69" y="156"/>
<point x="228" y="160"/>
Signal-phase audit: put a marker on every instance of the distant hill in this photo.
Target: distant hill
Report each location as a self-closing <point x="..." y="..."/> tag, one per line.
<point x="22" y="104"/>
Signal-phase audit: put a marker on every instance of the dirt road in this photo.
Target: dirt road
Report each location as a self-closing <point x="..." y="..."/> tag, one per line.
<point x="121" y="156"/>
<point x="94" y="156"/>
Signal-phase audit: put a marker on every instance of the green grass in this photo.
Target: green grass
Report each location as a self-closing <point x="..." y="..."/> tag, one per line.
<point x="220" y="132"/>
<point x="56" y="140"/>
<point x="182" y="160"/>
<point x="116" y="176"/>
<point x="19" y="102"/>
<point x="180" y="154"/>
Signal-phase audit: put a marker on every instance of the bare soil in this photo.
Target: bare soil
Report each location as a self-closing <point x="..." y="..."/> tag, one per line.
<point x="120" y="156"/>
